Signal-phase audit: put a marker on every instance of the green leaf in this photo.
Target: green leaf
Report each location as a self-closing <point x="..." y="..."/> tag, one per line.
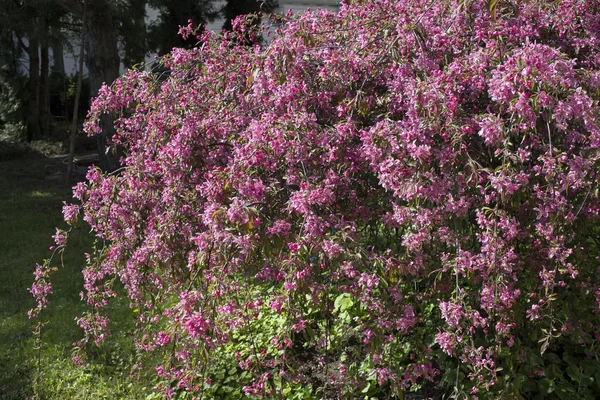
<point x="565" y="390"/>
<point x="571" y="360"/>
<point x="344" y="316"/>
<point x="535" y="360"/>
<point x="343" y="302"/>
<point x="556" y="372"/>
<point x="529" y="385"/>
<point x="553" y="358"/>
<point x="546" y="386"/>
<point x="367" y="388"/>
<point x="493" y="8"/>
<point x="574" y="372"/>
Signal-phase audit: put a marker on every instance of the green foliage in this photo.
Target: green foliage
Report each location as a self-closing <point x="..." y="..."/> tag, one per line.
<point x="11" y="97"/>
<point x="565" y="374"/>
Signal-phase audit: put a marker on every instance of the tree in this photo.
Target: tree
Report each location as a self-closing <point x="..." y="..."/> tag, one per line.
<point x="234" y="8"/>
<point x="33" y="21"/>
<point x="33" y="108"/>
<point x="11" y="81"/>
<point x="49" y="26"/>
<point x="73" y="130"/>
<point x="103" y="62"/>
<point x="401" y="193"/>
<point x="173" y="14"/>
<point x="133" y="33"/>
<point x="249" y="13"/>
<point x="111" y="22"/>
<point x="102" y="59"/>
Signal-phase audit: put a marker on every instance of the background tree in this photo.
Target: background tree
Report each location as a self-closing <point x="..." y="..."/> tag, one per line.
<point x="234" y="8"/>
<point x="11" y="80"/>
<point x="50" y="28"/>
<point x="133" y="32"/>
<point x="163" y="35"/>
<point x="73" y="130"/>
<point x="30" y="24"/>
<point x="103" y="65"/>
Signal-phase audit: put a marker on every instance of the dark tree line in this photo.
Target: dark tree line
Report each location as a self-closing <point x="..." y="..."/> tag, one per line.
<point x="116" y="32"/>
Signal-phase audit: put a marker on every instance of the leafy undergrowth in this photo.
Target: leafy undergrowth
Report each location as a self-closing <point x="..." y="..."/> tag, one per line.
<point x="30" y="209"/>
<point x="12" y="145"/>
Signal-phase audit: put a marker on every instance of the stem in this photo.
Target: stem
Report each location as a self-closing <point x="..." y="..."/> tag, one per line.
<point x="38" y="368"/>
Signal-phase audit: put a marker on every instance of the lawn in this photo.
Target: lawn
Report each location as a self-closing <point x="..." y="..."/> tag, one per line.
<point x="30" y="209"/>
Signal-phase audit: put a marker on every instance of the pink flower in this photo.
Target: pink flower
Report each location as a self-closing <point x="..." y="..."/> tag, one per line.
<point x="294" y="247"/>
<point x="276" y="306"/>
<point x="368" y="336"/>
<point x="446" y="341"/>
<point x="60" y="238"/>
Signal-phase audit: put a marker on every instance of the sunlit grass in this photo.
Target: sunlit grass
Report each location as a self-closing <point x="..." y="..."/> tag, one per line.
<point x="37" y="193"/>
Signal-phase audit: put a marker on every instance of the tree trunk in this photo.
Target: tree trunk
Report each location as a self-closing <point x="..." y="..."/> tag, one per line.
<point x="133" y="32"/>
<point x="57" y="106"/>
<point x="44" y="101"/>
<point x="33" y="109"/>
<point x="58" y="52"/>
<point x="77" y="97"/>
<point x="102" y="59"/>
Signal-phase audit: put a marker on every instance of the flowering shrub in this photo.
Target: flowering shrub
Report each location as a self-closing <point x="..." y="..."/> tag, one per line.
<point x="401" y="196"/>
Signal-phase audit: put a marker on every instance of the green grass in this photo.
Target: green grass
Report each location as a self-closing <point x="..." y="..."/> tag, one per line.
<point x="30" y="209"/>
